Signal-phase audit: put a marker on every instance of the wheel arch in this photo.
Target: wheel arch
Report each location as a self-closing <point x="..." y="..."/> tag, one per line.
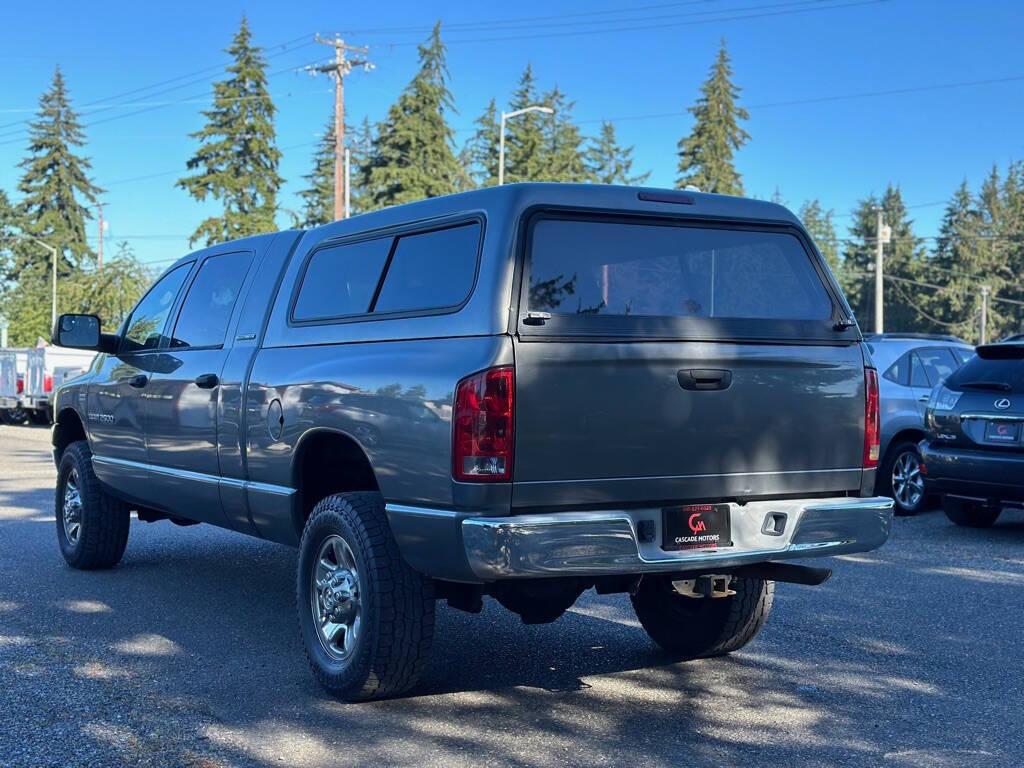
<point x="68" y="427"/>
<point x="907" y="434"/>
<point x="327" y="461"/>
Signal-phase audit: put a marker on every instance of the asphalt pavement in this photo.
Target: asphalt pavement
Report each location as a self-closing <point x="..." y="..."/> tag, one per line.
<point x="188" y="654"/>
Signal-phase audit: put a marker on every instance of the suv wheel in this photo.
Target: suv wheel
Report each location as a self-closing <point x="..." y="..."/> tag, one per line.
<point x="970" y="514"/>
<point x="900" y="477"/>
<point x="92" y="525"/>
<point x="692" y="627"/>
<point x="366" y="617"/>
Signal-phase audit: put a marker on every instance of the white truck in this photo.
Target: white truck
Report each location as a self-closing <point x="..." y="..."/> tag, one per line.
<point x="40" y="371"/>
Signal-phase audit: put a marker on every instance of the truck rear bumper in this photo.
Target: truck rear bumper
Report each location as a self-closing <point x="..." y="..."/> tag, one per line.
<point x="608" y="543"/>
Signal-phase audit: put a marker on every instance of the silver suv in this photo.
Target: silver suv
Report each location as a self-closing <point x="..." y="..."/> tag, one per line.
<point x="909" y="365"/>
<point x="521" y="392"/>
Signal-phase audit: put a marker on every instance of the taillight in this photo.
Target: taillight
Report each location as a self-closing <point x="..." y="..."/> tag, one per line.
<point x="47" y="383"/>
<point x="21" y="386"/>
<point x="484" y="426"/>
<point x="871" y="418"/>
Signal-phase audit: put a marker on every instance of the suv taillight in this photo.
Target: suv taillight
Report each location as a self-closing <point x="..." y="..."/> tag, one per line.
<point x="871" y="418"/>
<point x="484" y="426"/>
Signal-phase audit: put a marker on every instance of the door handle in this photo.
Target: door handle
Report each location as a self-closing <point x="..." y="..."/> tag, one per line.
<point x="138" y="381"/>
<point x="924" y="398"/>
<point x="207" y="380"/>
<point x="703" y="379"/>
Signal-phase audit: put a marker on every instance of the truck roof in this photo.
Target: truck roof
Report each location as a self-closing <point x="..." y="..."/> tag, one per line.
<point x="513" y="198"/>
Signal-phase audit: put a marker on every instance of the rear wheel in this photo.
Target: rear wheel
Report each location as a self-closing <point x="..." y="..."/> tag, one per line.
<point x="92" y="525"/>
<point x="366" y="617"/>
<point x="970" y="514"/>
<point x="695" y="627"/>
<point x="900" y="477"/>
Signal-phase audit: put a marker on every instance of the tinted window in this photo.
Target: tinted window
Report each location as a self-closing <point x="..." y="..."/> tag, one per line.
<point x="430" y="269"/>
<point x="938" y="363"/>
<point x="205" y="313"/>
<point x="146" y="323"/>
<point x="918" y="377"/>
<point x="1008" y="370"/>
<point x="613" y="268"/>
<point x="963" y="354"/>
<point x="899" y="371"/>
<point x="340" y="280"/>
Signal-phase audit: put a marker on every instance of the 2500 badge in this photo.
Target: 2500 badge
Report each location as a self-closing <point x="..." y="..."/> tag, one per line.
<point x="696" y="526"/>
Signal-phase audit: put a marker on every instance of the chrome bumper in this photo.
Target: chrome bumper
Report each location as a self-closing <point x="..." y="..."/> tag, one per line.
<point x="603" y="543"/>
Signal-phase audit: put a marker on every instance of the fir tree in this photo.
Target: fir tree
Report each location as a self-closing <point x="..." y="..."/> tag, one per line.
<point x="55" y="185"/>
<point x="609" y="162"/>
<point x="822" y="230"/>
<point x="412" y="155"/>
<point x="903" y="260"/>
<point x="564" y="157"/>
<point x="480" y="156"/>
<point x="360" y="144"/>
<point x="237" y="159"/>
<point x="318" y="197"/>
<point x="706" y="155"/>
<point x="527" y="136"/>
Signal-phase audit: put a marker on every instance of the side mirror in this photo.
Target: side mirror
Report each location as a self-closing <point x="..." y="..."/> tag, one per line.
<point x="77" y="331"/>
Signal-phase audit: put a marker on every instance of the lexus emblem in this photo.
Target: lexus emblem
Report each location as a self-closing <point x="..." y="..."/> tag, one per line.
<point x="1002" y="404"/>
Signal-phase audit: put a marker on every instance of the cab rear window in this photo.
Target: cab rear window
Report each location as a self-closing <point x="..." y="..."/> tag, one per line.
<point x="696" y="276"/>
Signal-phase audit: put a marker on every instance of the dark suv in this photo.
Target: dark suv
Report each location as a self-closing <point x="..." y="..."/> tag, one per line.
<point x="974" y="454"/>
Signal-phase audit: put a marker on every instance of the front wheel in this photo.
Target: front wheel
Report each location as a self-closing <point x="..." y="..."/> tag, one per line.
<point x="366" y="617"/>
<point x="970" y="514"/>
<point x="92" y="525"/>
<point x="696" y="627"/>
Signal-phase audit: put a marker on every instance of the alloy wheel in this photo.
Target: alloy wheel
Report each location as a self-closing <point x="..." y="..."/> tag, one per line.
<point x="907" y="483"/>
<point x="72" y="509"/>
<point x="334" y="598"/>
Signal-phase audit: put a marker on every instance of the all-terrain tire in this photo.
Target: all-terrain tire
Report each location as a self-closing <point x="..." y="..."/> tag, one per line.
<point x="396" y="618"/>
<point x="103" y="520"/>
<point x="969" y="514"/>
<point x="691" y="628"/>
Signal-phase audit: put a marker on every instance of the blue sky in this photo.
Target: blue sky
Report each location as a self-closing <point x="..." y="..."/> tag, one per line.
<point x="795" y="60"/>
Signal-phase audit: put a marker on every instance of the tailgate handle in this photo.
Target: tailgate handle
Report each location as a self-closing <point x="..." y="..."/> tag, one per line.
<point x="704" y="379"/>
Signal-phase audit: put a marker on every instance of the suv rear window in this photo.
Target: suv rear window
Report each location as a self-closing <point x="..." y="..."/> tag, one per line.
<point x="998" y="364"/>
<point x="643" y="270"/>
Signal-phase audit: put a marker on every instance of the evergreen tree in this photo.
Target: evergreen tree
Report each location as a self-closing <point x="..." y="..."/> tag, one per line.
<point x="412" y="156"/>
<point x="318" y="197"/>
<point x="566" y="156"/>
<point x="527" y="137"/>
<point x="480" y="156"/>
<point x="609" y="162"/>
<point x="905" y="303"/>
<point x="706" y="155"/>
<point x="360" y="144"/>
<point x="237" y="159"/>
<point x="54" y="184"/>
<point x="820" y="226"/>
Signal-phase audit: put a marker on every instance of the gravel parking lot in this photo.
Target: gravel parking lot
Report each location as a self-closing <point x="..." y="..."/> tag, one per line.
<point x="188" y="654"/>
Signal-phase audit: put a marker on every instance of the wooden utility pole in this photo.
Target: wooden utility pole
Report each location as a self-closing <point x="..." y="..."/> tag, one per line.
<point x="985" y="289"/>
<point x="341" y="67"/>
<point x="99" y="250"/>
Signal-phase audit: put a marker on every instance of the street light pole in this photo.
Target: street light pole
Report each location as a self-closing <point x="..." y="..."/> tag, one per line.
<point x="501" y="137"/>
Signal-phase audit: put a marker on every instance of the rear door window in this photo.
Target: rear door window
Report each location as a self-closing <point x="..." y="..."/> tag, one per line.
<point x="430" y="270"/>
<point x="938" y="363"/>
<point x="206" y="311"/>
<point x="341" y="280"/>
<point x="918" y="376"/>
<point x="646" y="275"/>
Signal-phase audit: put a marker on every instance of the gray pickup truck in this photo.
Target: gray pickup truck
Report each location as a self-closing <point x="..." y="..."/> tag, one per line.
<point x="521" y="392"/>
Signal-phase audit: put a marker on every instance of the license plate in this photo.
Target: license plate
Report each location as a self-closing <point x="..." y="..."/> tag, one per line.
<point x="1002" y="431"/>
<point x="696" y="526"/>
